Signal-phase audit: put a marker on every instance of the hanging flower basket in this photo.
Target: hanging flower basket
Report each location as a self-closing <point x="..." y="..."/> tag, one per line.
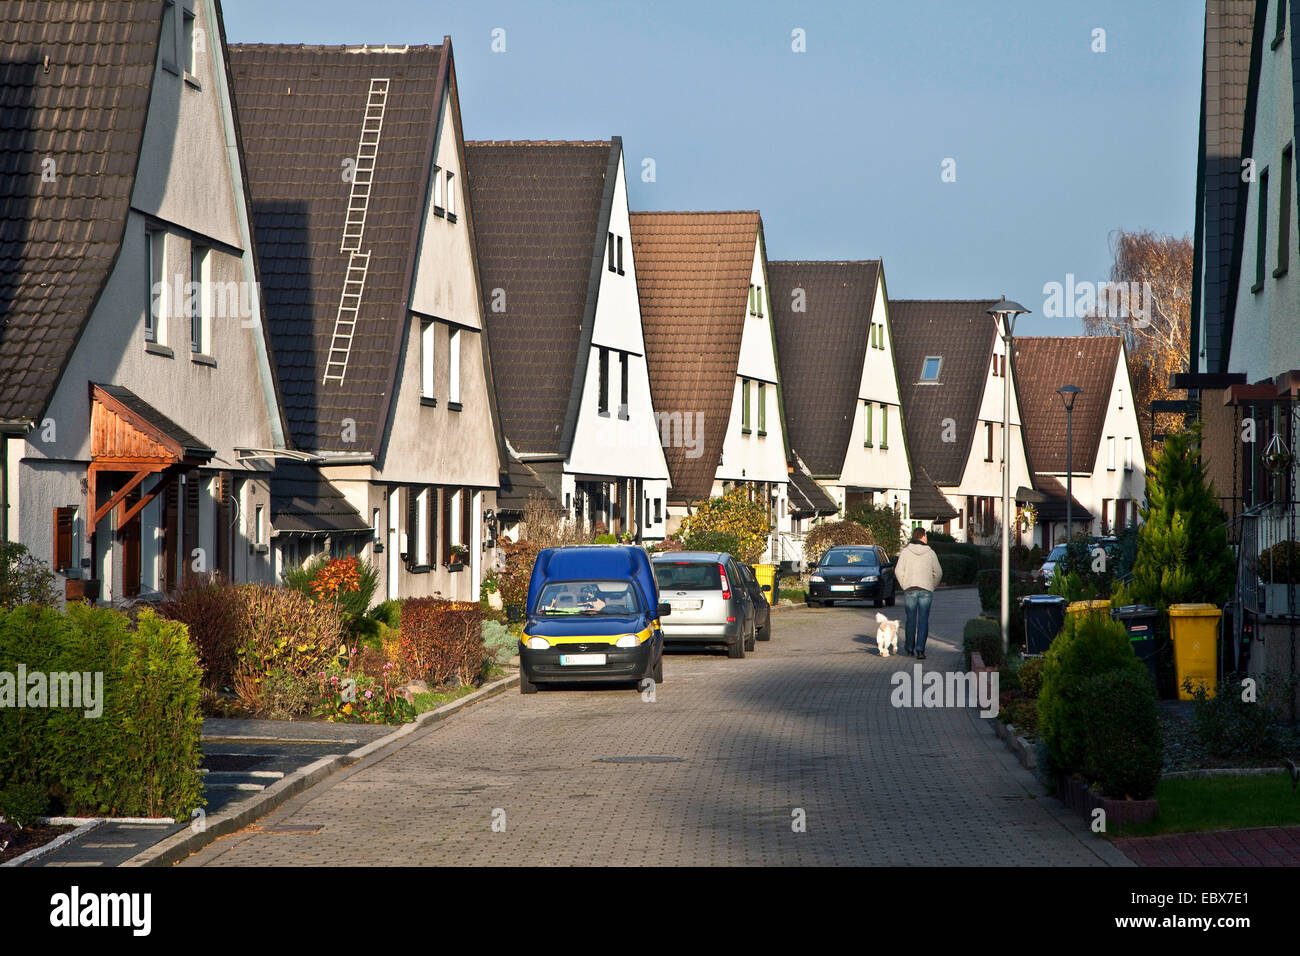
<point x="1027" y="518"/>
<point x="1278" y="461"/>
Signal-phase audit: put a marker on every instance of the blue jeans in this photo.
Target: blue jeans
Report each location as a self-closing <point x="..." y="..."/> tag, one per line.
<point x="916" y="604"/>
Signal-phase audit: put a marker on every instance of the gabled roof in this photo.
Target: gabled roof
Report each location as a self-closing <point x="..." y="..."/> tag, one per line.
<point x="148" y="418"/>
<point x="303" y="501"/>
<point x="1225" y="78"/>
<point x="1053" y="507"/>
<point x="301" y="110"/>
<point x="75" y="82"/>
<point x="927" y="500"/>
<point x="962" y="333"/>
<point x="1044" y="364"/>
<point x="821" y="350"/>
<point x="693" y="271"/>
<point x="541" y="210"/>
<point x="519" y="482"/>
<point x="806" y="497"/>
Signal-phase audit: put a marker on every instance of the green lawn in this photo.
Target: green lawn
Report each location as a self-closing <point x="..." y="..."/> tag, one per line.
<point x="432" y="701"/>
<point x="1222" y="803"/>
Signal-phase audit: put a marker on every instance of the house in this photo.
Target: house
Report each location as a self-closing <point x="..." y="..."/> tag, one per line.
<point x="706" y="304"/>
<point x="951" y="362"/>
<point x="839" y="381"/>
<point x="560" y="293"/>
<point x="1104" y="460"/>
<point x="137" y="391"/>
<point x="365" y="239"/>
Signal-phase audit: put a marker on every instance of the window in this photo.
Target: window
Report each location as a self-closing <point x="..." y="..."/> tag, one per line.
<point x="453" y="367"/>
<point x="603" y="359"/>
<point x="762" y="408"/>
<point x="995" y="365"/>
<point x="65" y="523"/>
<point x="1105" y="515"/>
<point x="187" y="41"/>
<point x="1121" y="399"/>
<point x="451" y="195"/>
<point x="620" y="254"/>
<point x="1279" y="26"/>
<point x="200" y="284"/>
<point x="1110" y="452"/>
<point x="752" y="311"/>
<point x="867" y="434"/>
<point x="884" y="427"/>
<point x="439" y="207"/>
<point x="421" y="556"/>
<point x="1284" y="215"/>
<point x="988" y="437"/>
<point x="426" y="359"/>
<point x="610" y="254"/>
<point x="456" y="511"/>
<point x="1261" y="233"/>
<point x="1128" y="454"/>
<point x="758" y="300"/>
<point x="168" y="38"/>
<point x="744" y="406"/>
<point x="622" y="375"/>
<point x="930" y="368"/>
<point x="155" y="320"/>
<point x="259" y="525"/>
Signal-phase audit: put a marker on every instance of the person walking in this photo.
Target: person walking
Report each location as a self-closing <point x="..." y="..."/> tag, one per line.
<point x="919" y="573"/>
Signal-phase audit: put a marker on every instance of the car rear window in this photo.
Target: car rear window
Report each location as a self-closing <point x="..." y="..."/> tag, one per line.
<point x="687" y="576"/>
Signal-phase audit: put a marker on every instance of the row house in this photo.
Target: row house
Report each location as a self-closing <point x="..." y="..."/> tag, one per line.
<point x="356" y="168"/>
<point x="951" y="362"/>
<point x="559" y="290"/>
<point x="1104" y="464"/>
<point x="138" y="397"/>
<point x="840" y="383"/>
<point x="1243" y="372"/>
<point x="706" y="305"/>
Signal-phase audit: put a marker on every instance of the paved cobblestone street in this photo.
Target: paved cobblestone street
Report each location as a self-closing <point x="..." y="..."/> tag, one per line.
<point x="803" y="724"/>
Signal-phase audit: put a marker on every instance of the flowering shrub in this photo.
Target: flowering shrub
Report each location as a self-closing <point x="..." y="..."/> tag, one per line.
<point x="357" y="698"/>
<point x="442" y="639"/>
<point x="828" y="534"/>
<point x="520" y="557"/>
<point x="280" y="630"/>
<point x="336" y="577"/>
<point x="730" y="519"/>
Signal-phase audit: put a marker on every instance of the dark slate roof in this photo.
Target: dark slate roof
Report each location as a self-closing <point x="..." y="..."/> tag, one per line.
<point x="541" y="210"/>
<point x="304" y="502"/>
<point x="519" y="483"/>
<point x="1045" y="364"/>
<point x="1052" y="507"/>
<point x="59" y="240"/>
<point x="693" y="271"/>
<point x="927" y="500"/>
<point x="961" y="331"/>
<point x="193" y="447"/>
<point x="1225" y="77"/>
<point x="821" y="351"/>
<point x="300" y="115"/>
<point x="806" y="497"/>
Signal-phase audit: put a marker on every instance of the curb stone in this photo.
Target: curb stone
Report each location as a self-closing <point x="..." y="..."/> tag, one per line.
<point x="35" y="853"/>
<point x="183" y="844"/>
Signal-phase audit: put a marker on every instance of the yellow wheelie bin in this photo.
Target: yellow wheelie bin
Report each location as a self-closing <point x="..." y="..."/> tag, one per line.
<point x="765" y="574"/>
<point x="1194" y="629"/>
<point x="1088" y="607"/>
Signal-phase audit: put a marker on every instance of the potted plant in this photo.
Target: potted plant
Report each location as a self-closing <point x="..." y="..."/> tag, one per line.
<point x="458" y="555"/>
<point x="1279" y="568"/>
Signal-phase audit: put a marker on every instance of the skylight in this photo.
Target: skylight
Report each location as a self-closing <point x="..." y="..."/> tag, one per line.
<point x="930" y="368"/>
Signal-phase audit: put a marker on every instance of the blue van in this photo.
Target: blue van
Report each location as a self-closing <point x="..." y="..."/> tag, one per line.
<point x="593" y="615"/>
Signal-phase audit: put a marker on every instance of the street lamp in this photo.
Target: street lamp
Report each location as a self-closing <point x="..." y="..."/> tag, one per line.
<point x="1068" y="394"/>
<point x="1004" y="314"/>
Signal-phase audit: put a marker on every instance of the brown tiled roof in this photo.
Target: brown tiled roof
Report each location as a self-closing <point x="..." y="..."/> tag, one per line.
<point x="540" y="214"/>
<point x="962" y="333"/>
<point x="1225" y="77"/>
<point x="821" y="350"/>
<point x="927" y="500"/>
<point x="303" y="501"/>
<point x="1043" y="365"/>
<point x="806" y="497"/>
<point x="519" y="482"/>
<point x="1053" y="507"/>
<point x="693" y="271"/>
<point x="85" y="112"/>
<point x="300" y="113"/>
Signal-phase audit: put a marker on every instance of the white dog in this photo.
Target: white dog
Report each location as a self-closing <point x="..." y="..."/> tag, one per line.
<point x="886" y="635"/>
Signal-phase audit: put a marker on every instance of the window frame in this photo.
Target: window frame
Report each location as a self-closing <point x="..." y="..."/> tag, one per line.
<point x="1261" y="231"/>
<point x="155" y="326"/>
<point x="744" y="406"/>
<point x="1284" y="212"/>
<point x="602" y="395"/>
<point x="762" y="409"/>
<point x="884" y="427"/>
<point x="453" y="368"/>
<point x="869" y="441"/>
<point x="428" y="348"/>
<point x="624" y="360"/>
<point x="200" y="275"/>
<point x="1110" y="452"/>
<point x="938" y="368"/>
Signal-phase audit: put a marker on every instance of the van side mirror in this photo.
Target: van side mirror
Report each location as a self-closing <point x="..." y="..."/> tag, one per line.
<point x="665" y="609"/>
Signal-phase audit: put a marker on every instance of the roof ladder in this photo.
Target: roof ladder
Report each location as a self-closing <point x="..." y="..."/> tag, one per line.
<point x="363" y="172"/>
<point x="354" y="226"/>
<point x="346" y="321"/>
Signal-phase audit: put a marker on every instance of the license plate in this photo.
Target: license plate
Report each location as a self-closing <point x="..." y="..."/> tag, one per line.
<point x="686" y="605"/>
<point x="843" y="587"/>
<point x="581" y="660"/>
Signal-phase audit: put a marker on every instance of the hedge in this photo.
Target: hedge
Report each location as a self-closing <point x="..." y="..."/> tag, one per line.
<point x="1122" y="747"/>
<point x="442" y="639"/>
<point x="140" y="756"/>
<point x="958" y="569"/>
<point x="985" y="636"/>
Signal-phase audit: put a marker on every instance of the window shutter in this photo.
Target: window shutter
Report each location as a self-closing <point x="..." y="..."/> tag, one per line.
<point x="412" y="528"/>
<point x="433" y="525"/>
<point x="446" y="524"/>
<point x="466" y="516"/>
<point x="63" y="525"/>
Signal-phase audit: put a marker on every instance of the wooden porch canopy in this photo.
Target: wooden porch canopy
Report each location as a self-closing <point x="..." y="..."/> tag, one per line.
<point x="128" y="435"/>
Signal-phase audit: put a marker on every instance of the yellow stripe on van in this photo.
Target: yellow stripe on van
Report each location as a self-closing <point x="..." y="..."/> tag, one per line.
<point x="555" y="639"/>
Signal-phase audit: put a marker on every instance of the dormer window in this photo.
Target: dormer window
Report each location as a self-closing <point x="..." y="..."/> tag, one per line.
<point x="930" y="368"/>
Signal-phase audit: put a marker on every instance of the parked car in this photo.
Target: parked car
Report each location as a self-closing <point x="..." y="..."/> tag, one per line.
<point x="1048" y="569"/>
<point x="709" y="600"/>
<point x="853" y="573"/>
<point x="593" y="615"/>
<point x="758" y="593"/>
<point x="1108" y="543"/>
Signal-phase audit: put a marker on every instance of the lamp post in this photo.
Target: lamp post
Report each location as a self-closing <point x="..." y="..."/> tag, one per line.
<point x="1004" y="314"/>
<point x="1068" y="394"/>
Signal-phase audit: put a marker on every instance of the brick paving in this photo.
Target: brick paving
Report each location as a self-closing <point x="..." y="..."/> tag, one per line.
<point x="800" y="729"/>
<point x="1261" y="846"/>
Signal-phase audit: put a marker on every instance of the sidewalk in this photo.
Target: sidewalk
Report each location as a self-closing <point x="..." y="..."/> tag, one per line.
<point x="1263" y="846"/>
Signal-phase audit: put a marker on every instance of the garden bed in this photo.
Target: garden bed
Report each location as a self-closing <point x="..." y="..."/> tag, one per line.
<point x="14" y="842"/>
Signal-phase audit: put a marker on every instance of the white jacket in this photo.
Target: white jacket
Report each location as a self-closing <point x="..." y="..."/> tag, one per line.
<point x="918" y="567"/>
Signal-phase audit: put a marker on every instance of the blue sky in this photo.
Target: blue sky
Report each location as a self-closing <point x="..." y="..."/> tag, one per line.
<point x="841" y="146"/>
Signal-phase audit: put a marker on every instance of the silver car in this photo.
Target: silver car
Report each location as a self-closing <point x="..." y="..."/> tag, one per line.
<point x="710" y="604"/>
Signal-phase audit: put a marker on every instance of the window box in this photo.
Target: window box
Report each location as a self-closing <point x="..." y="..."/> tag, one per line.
<point x="455" y="406"/>
<point x="428" y="401"/>
<point x="157" y="348"/>
<point x="198" y="358"/>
